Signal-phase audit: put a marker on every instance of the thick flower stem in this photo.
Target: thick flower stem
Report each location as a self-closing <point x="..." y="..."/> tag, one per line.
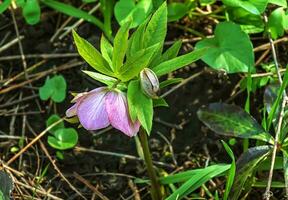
<point x="155" y="186"/>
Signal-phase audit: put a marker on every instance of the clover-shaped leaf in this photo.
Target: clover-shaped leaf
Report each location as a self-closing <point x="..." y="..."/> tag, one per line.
<point x="54" y="88"/>
<point x="52" y="119"/>
<point x="63" y="138"/>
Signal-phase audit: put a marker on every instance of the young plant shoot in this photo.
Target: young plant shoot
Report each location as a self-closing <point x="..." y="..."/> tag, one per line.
<point x="130" y="69"/>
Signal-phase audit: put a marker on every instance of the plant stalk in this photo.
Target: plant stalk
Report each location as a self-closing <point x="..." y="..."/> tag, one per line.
<point x="155" y="186"/>
<point x="268" y="193"/>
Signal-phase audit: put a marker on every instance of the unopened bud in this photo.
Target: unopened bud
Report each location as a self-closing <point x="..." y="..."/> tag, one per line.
<point x="149" y="82"/>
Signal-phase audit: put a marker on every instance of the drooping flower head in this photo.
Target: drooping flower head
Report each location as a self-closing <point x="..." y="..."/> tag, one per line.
<point x="102" y="107"/>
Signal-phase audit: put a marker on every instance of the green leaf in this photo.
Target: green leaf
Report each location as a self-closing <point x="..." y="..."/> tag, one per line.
<point x="157" y="27"/>
<point x="54" y="88"/>
<point x="169" y="54"/>
<point x="282" y="3"/>
<point x="4" y="5"/>
<point x="160" y="102"/>
<point x="91" y="55"/>
<point x="269" y="97"/>
<point x="186" y="175"/>
<point x="255" y="7"/>
<point x="120" y="47"/>
<point x="172" y="52"/>
<point x="59" y="86"/>
<point x="62" y="139"/>
<point x="133" y="89"/>
<point x="140" y="105"/>
<point x="195" y="181"/>
<point x="245" y="166"/>
<point x="32" y="12"/>
<point x="46" y="91"/>
<point x="285" y="168"/>
<point x="51" y="120"/>
<point x="136" y="41"/>
<point x="107" y="12"/>
<point x="176" y="11"/>
<point x="126" y="10"/>
<point x="72" y="11"/>
<point x="276" y="103"/>
<point x="275" y="23"/>
<point x="230" y="49"/>
<point x="107" y="80"/>
<point x="232" y="171"/>
<point x="231" y="120"/>
<point x="106" y="50"/>
<point x="170" y="82"/>
<point x="136" y="63"/>
<point x="178" y="62"/>
<point x="6" y="185"/>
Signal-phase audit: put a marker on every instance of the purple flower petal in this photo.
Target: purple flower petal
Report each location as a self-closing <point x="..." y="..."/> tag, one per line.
<point x="78" y="97"/>
<point x="91" y="110"/>
<point x="72" y="111"/>
<point x="117" y="109"/>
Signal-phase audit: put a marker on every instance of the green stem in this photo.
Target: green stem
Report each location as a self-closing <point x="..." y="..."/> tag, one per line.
<point x="155" y="186"/>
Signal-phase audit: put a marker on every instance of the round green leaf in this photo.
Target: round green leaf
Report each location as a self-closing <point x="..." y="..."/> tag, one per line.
<point x="52" y="119"/>
<point x="31" y="12"/>
<point x="176" y="11"/>
<point x="126" y="10"/>
<point x="276" y="23"/>
<point x="59" y="86"/>
<point x="46" y="90"/>
<point x="230" y="49"/>
<point x="62" y="139"/>
<point x="54" y="88"/>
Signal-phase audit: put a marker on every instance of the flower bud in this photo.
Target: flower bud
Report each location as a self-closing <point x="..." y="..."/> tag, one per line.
<point x="149" y="82"/>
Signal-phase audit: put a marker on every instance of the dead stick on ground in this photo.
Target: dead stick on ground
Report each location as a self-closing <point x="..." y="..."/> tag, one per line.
<point x="91" y="187"/>
<point x="184" y="82"/>
<point x="10" y="80"/>
<point x="11" y="43"/>
<point x="39" y="76"/>
<point x="33" y="141"/>
<point x="58" y="170"/>
<point x="37" y="190"/>
<point x="44" y="56"/>
<point x="268" y="193"/>
<point x="24" y="63"/>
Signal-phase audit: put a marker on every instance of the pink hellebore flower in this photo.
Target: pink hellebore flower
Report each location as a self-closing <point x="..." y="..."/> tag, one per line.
<point x="101" y="107"/>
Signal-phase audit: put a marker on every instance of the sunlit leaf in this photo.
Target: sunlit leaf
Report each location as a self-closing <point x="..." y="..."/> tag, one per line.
<point x="140" y="106"/>
<point x="230" y="49"/>
<point x="126" y="10"/>
<point x="72" y="11"/>
<point x="120" y="47"/>
<point x="91" y="55"/>
<point x="176" y="11"/>
<point x="197" y="180"/>
<point x="4" y="5"/>
<point x="231" y="173"/>
<point x="179" y="62"/>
